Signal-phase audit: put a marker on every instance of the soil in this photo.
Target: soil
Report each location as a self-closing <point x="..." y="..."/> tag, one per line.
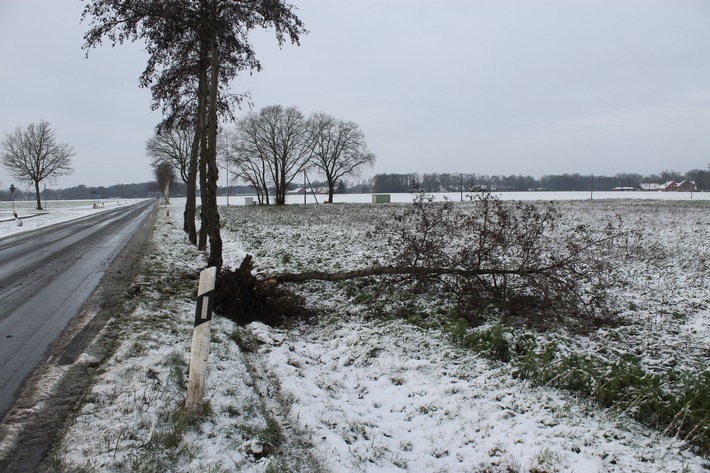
<point x="51" y="396"/>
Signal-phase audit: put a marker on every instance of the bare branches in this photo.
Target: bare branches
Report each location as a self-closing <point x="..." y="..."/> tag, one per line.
<point x="172" y="146"/>
<point x="508" y="257"/>
<point x="416" y="271"/>
<point x="339" y="149"/>
<point x="272" y="147"/>
<point x="32" y="155"/>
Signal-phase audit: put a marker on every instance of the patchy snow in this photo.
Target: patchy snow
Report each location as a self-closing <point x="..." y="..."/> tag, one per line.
<point x="55" y="211"/>
<point x="356" y="394"/>
<point x="390" y="397"/>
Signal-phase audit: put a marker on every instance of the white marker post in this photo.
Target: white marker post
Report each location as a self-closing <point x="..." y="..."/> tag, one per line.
<point x="201" y="339"/>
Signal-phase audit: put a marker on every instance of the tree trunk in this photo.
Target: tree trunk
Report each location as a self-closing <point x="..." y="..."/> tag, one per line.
<point x="281" y="191"/>
<point x="202" y="98"/>
<point x="265" y="196"/>
<point x="191" y="203"/>
<point x="209" y="205"/>
<point x="39" y="200"/>
<point x="331" y="191"/>
<point x="410" y="271"/>
<point x="202" y="240"/>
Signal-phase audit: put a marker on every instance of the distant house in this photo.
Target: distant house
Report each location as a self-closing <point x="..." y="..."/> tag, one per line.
<point x="650" y="186"/>
<point x="686" y="186"/>
<point x="624" y="189"/>
<point x="683" y="186"/>
<point x="669" y="186"/>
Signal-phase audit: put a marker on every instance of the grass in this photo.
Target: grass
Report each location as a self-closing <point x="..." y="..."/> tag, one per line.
<point x="146" y="425"/>
<point x="631" y="369"/>
<point x="670" y="399"/>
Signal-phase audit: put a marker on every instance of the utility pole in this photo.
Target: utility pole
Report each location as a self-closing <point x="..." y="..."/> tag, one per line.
<point x="461" y="185"/>
<point x="591" y="191"/>
<point x="226" y="167"/>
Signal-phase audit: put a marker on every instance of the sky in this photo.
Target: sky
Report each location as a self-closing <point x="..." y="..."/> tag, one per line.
<point x="493" y="87"/>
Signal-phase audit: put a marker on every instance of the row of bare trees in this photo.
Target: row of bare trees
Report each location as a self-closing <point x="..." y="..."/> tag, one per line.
<point x="274" y="145"/>
<point x="269" y="148"/>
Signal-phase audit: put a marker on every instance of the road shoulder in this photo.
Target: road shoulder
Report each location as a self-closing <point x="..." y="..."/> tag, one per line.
<point x="30" y="429"/>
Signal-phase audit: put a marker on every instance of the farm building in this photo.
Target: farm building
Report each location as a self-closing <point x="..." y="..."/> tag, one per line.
<point x="683" y="186"/>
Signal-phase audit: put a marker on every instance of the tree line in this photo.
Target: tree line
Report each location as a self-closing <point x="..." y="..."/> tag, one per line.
<point x="389" y="183"/>
<point x="449" y="182"/>
<point x="82" y="192"/>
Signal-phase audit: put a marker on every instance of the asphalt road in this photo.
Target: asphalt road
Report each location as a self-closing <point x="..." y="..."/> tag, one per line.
<point x="46" y="275"/>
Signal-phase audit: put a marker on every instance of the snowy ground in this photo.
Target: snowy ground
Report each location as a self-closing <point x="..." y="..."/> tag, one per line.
<point x="55" y="211"/>
<point x="353" y="393"/>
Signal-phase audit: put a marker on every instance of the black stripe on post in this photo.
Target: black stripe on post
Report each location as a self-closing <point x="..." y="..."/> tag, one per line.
<point x="203" y="311"/>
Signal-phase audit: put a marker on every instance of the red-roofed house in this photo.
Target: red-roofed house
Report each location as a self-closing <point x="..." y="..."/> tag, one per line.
<point x="683" y="186"/>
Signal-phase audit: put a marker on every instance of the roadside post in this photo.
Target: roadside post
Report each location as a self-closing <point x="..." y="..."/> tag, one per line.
<point x="200" y="339"/>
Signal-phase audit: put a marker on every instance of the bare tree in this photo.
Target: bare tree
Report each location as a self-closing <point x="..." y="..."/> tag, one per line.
<point x="250" y="156"/>
<point x="175" y="146"/>
<point x="272" y="147"/>
<point x="339" y="149"/>
<point x="32" y="154"/>
<point x="249" y="160"/>
<point x="172" y="146"/>
<point x="164" y="176"/>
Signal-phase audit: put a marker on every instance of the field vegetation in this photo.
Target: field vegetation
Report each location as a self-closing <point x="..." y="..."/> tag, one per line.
<point x="393" y="373"/>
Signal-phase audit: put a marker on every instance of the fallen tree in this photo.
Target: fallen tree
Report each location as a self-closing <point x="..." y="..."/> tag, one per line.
<point x="487" y="257"/>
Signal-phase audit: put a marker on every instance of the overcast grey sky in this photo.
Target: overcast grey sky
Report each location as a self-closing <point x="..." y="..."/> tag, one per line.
<point x="481" y="86"/>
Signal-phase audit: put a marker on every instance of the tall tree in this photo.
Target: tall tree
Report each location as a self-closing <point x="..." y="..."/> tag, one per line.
<point x="277" y="141"/>
<point x="175" y="146"/>
<point x="339" y="149"/>
<point x="32" y="154"/>
<point x="196" y="47"/>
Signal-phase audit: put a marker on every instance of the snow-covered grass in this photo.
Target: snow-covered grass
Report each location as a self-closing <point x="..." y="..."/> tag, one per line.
<point x="358" y="391"/>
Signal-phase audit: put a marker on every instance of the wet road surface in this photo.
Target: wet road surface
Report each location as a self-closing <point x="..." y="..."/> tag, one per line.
<point x="46" y="275"/>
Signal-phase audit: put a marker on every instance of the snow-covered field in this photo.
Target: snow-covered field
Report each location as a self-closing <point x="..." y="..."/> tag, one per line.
<point x="458" y="196"/>
<point x="355" y="392"/>
<point x="55" y="211"/>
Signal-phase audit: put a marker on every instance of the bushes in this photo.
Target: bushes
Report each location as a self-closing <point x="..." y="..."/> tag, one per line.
<point x="509" y="259"/>
<point x="493" y="342"/>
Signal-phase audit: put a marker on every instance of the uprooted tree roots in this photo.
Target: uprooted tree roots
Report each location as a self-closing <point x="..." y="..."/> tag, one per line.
<point x="245" y="298"/>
